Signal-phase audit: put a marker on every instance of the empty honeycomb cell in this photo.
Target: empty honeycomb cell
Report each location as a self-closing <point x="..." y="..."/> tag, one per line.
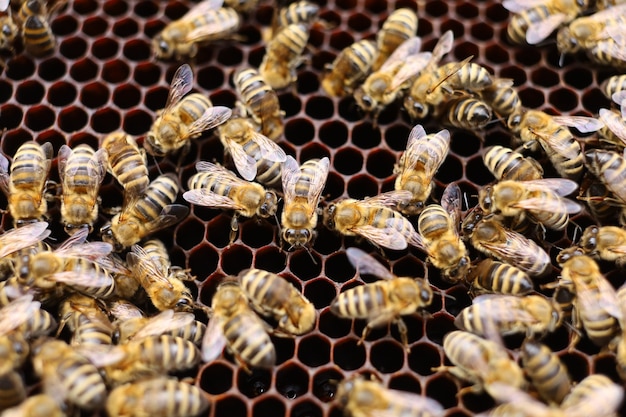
<point x="21" y="68"/>
<point x="333" y="133"/>
<point x="576" y="364"/>
<point x="155" y="98"/>
<point x="438" y="326"/>
<point x="518" y="75"/>
<point x="325" y="383"/>
<point x="51" y="69"/>
<point x="64" y="25"/>
<point x="115" y="7"/>
<point x="230" y="405"/>
<point x="409" y="266"/>
<point x="83" y="70"/>
<point x="125" y="28"/>
<point x="94" y="95"/>
<point x="105" y="120"/>
<point x="496" y="54"/>
<point x="477" y="172"/>
<point x="531" y="97"/>
<point x="126" y="96"/>
<point x="29" y="92"/>
<point x="257" y="233"/>
<point x="457" y="28"/>
<point x="13" y="139"/>
<point x="362" y="186"/>
<point x="224" y="98"/>
<point x="95" y="26"/>
<point x="349" y="354"/>
<point x="544" y="77"/>
<point x="216" y="378"/>
<point x="359" y="22"/>
<point x="605" y="364"/>
<point x="465" y="143"/>
<point x="105" y="48"/>
<point x="423" y="358"/>
<point x="73" y="48"/>
<point x="482" y="31"/>
<point x="313" y="351"/>
<point x="477" y="402"/>
<point x="270" y="258"/>
<point x="443" y="389"/>
<point x="316" y="37"/>
<point x="146" y="8"/>
<point x="218" y="229"/>
<point x="57" y="139"/>
<point x="235" y="259"/>
<point x="137" y="50"/>
<point x="83" y="138"/>
<point x="467" y="10"/>
<point x="269" y="405"/>
<point x="366" y="136"/>
<point x="338" y="268"/>
<point x="327" y="241"/>
<point x="348" y="161"/>
<point x="451" y="170"/>
<point x="85" y="7"/>
<point x="306" y="408"/>
<point x="341" y="39"/>
<point x="137" y="122"/>
<point x="115" y="71"/>
<point x="319" y="107"/>
<point x="436" y="8"/>
<point x="308" y="82"/>
<point x="396" y="137"/>
<point x="375" y="6"/>
<point x="594" y="100"/>
<point x="6" y="91"/>
<point x="299" y="131"/>
<point x="466" y="49"/>
<point x="253" y="384"/>
<point x="579" y="78"/>
<point x="405" y="382"/>
<point x="292" y="381"/>
<point x="322" y="59"/>
<point x="349" y="110"/>
<point x="189" y="233"/>
<point x="210" y="78"/>
<point x="320" y="292"/>
<point x="305" y="265"/>
<point x="230" y="56"/>
<point x="333" y="326"/>
<point x="203" y="260"/>
<point x="313" y="150"/>
<point x="146" y="74"/>
<point x="290" y="104"/>
<point x="175" y="10"/>
<point x="528" y="56"/>
<point x="387" y="356"/>
<point x="39" y="118"/>
<point x="285" y="349"/>
<point x="496" y="12"/>
<point x="564" y="99"/>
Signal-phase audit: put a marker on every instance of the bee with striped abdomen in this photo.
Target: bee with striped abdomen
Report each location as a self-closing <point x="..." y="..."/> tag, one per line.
<point x="283" y="54"/>
<point x="507" y="164"/>
<point x="349" y="68"/>
<point x="127" y="163"/>
<point x="399" y="26"/>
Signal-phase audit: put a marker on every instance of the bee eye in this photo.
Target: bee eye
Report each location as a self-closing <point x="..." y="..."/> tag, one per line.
<point x="183" y="302"/>
<point x="367" y="101"/>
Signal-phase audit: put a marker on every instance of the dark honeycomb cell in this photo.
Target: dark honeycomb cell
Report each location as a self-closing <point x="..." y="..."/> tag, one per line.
<point x="39" y="118"/>
<point x="203" y="260"/>
<point x="299" y="131"/>
<point x="304" y="265"/>
<point x="531" y="97"/>
<point x="255" y="383"/>
<point x="115" y="7"/>
<point x="436" y="8"/>
<point x="340" y="40"/>
<point x="85" y="7"/>
<point x="73" y="48"/>
<point x="29" y="92"/>
<point x="189" y="234"/>
<point x="292" y="381"/>
<point x="362" y="186"/>
<point x="230" y="405"/>
<point x="84" y="70"/>
<point x="105" y="120"/>
<point x="333" y="326"/>
<point x="482" y="31"/>
<point x="64" y="25"/>
<point x="442" y="389"/>
<point x="320" y="292"/>
<point x="137" y="122"/>
<point x="338" y="268"/>
<point x="348" y="161"/>
<point x="94" y="95"/>
<point x="349" y="354"/>
<point x="455" y="26"/>
<point x="95" y="26"/>
<point x="308" y="82"/>
<point x="270" y="258"/>
<point x="72" y="119"/>
<point x="115" y="71"/>
<point x="146" y="8"/>
<point x="125" y="28"/>
<point x="359" y="22"/>
<point x="423" y="358"/>
<point x="137" y="50"/>
<point x="387" y="356"/>
<point x="405" y="382"/>
<point x="320" y="108"/>
<point x="285" y="349"/>
<point x="216" y="378"/>
<point x="21" y="68"/>
<point x="306" y="408"/>
<point x="375" y="6"/>
<point x="314" y="351"/>
<point x="477" y="402"/>
<point x="52" y="69"/>
<point x="126" y="96"/>
<point x="563" y="99"/>
<point x="235" y="259"/>
<point x="14" y="139"/>
<point x="268" y="405"/>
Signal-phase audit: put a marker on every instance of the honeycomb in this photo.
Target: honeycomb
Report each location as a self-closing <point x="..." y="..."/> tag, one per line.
<point x="103" y="78"/>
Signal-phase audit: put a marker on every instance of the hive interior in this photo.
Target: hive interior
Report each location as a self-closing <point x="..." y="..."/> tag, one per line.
<point x="103" y="78"/>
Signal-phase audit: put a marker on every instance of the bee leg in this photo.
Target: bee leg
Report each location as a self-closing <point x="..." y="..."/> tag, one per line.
<point x="373" y="323"/>
<point x="575" y="326"/>
<point x="403" y="334"/>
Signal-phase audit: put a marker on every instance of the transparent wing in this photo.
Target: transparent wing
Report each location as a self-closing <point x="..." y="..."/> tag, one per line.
<point x="582" y="123"/>
<point x="558" y="186"/>
<point x="163" y="322"/>
<point x="409" y="67"/>
<point x="409" y="47"/>
<point x="318" y="182"/>
<point x="146" y="269"/>
<point x="539" y="31"/>
<point x="387" y="237"/>
<point x="23" y="237"/>
<point x="615" y="122"/>
<point x="213" y="116"/>
<point x="182" y="83"/>
<point x="17" y="312"/>
<point x="208" y="198"/>
<point x="556" y="205"/>
<point x="420" y="150"/>
<point x="213" y="342"/>
<point x="268" y="148"/>
<point x="290" y="173"/>
<point x="517" y="6"/>
<point x="367" y="264"/>
<point x="388" y="199"/>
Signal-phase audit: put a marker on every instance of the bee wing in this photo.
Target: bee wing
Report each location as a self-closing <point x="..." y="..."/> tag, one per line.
<point x="171" y="214"/>
<point x="97" y="166"/>
<point x="557" y="205"/>
<point x="92" y="251"/>
<point x="615" y="122"/>
<point x="517" y="6"/>
<point x="419" y="404"/>
<point x="213" y="116"/>
<point x="556" y="144"/>
<point x="65" y="153"/>
<point x="582" y="123"/>
<point x="407" y="48"/>
<point x="421" y="151"/>
<point x="182" y="83"/>
<point x="124" y="310"/>
<point x="367" y="264"/>
<point x="163" y="322"/>
<point x="388" y="199"/>
<point x="416" y="134"/>
<point x="205" y="166"/>
<point x="290" y="172"/>
<point x="22" y="237"/>
<point x="608" y="46"/>
<point x="212" y="26"/>
<point x="208" y="198"/>
<point x="451" y="203"/>
<point x="559" y="186"/>
<point x="102" y="355"/>
<point x="4" y="5"/>
<point x="202" y="8"/>
<point x="268" y="148"/>
<point x="148" y="271"/>
<point x="606" y="300"/>
<point x="245" y="164"/>
<point x="17" y="312"/>
<point x="83" y="278"/>
<point x="410" y="66"/>
<point x="5" y="178"/>
<point x="387" y="237"/>
<point x="603" y="400"/>
<point x="213" y="341"/>
<point x="517" y="250"/>
<point x="541" y="30"/>
<point x="318" y="182"/>
<point x="443" y="46"/>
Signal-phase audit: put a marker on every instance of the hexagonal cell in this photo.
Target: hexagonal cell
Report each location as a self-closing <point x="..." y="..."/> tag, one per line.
<point x="348" y="354"/>
<point x="531" y="97"/>
<point x="73" y="48"/>
<point x="29" y="92"/>
<point x="387" y="356"/>
<point x="341" y="39"/>
<point x="292" y="381"/>
<point x="285" y="349"/>
<point x="203" y="261"/>
<point x="437" y="8"/>
<point x="95" y="26"/>
<point x="313" y="150"/>
<point x="423" y="358"/>
<point x="64" y="25"/>
<point x="39" y="118"/>
<point x="11" y="117"/>
<point x="51" y="69"/>
<point x="299" y="131"/>
<point x="146" y="8"/>
<point x="137" y="122"/>
<point x="338" y="268"/>
<point x="405" y="382"/>
<point x="477" y="172"/>
<point x="359" y="22"/>
<point x="361" y="186"/>
<point x="477" y="402"/>
<point x="189" y="233"/>
<point x="254" y="383"/>
<point x="438" y="326"/>
<point x="106" y="120"/>
<point x="230" y="405"/>
<point x="306" y="408"/>
<point x="443" y="390"/>
<point x="314" y="351"/>
<point x="72" y="119"/>
<point x="21" y="68"/>
<point x="83" y="70"/>
<point x="271" y="259"/>
<point x="137" y="50"/>
<point x="125" y="28"/>
<point x="496" y="54"/>
<point x="320" y="108"/>
<point x="333" y="326"/>
<point x="457" y="28"/>
<point x="115" y="71"/>
<point x="94" y="95"/>
<point x="126" y="96"/>
<point x="14" y="139"/>
<point x="305" y="265"/>
<point x="564" y="99"/>
<point x="465" y="49"/>
<point x="256" y="233"/>
<point x="216" y="378"/>
<point x="348" y="161"/>
<point x="235" y="259"/>
<point x="320" y="292"/>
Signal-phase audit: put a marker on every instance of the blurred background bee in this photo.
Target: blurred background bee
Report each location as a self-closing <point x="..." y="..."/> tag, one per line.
<point x="9" y="29"/>
<point x="546" y="371"/>
<point x="399" y="26"/>
<point x="607" y="243"/>
<point x="501" y="96"/>
<point x="283" y="55"/>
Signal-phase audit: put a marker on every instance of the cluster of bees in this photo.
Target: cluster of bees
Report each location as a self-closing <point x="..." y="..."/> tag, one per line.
<point x="112" y="355"/>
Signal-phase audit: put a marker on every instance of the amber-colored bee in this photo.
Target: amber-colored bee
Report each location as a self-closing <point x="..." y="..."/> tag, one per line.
<point x="24" y="185"/>
<point x="40" y="405"/>
<point x="81" y="171"/>
<point x="418" y="165"/>
<point x="546" y="371"/>
<point x="606" y="242"/>
<point x="359" y="397"/>
<point x="178" y="324"/>
<point x="9" y="28"/>
<point x="235" y="325"/>
<point x="507" y="314"/>
<point x="534" y="21"/>
<point x="375" y="219"/>
<point x="466" y="112"/>
<point x="86" y="320"/>
<point x="17" y="239"/>
<point x="12" y="390"/>
<point x="381" y="302"/>
<point x="153" y="211"/>
<point x="157" y="397"/>
<point x="271" y="295"/>
<point x="349" y="68"/>
<point x="283" y="55"/>
<point x="205" y="22"/>
<point x="506" y="164"/>
<point x="127" y="163"/>
<point x="596" y="395"/>
<point x="491" y="276"/>
<point x="502" y="97"/>
<point x="399" y="26"/>
<point x="298" y="12"/>
<point x="610" y="168"/>
<point x="260" y="101"/>
<point x="184" y="117"/>
<point x="613" y="84"/>
<point x="302" y="186"/>
<point x="37" y="36"/>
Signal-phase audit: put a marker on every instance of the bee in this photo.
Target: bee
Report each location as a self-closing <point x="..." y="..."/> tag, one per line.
<point x="542" y="200"/>
<point x="493" y="239"/>
<point x="506" y="164"/>
<point x="127" y="163"/>
<point x="438" y="227"/>
<point x="491" y="276"/>
<point x="86" y="320"/>
<point x="349" y="68"/>
<point x="81" y="171"/>
<point x="40" y="405"/>
<point x="359" y="397"/>
<point x="502" y="97"/>
<point x="595" y="395"/>
<point x="184" y="117"/>
<point x="157" y="397"/>
<point x="484" y="363"/>
<point x="260" y="101"/>
<point x="466" y="112"/>
<point x="606" y="242"/>
<point x="178" y="324"/>
<point x="157" y="251"/>
<point x="153" y="211"/>
<point x="534" y="21"/>
<point x="24" y="185"/>
<point x="20" y="320"/>
<point x="399" y="26"/>
<point x="205" y="22"/>
<point x="302" y="186"/>
<point x="64" y="371"/>
<point x="613" y="84"/>
<point x="418" y="165"/>
<point x="620" y="342"/>
<point x="15" y="240"/>
<point x="166" y="291"/>
<point x="271" y="295"/>
<point x="235" y="325"/>
<point x="610" y="168"/>
<point x="248" y="147"/>
<point x="283" y="55"/>
<point x="490" y="315"/>
<point x="9" y="28"/>
<point x="37" y="35"/>
<point x="12" y="390"/>
<point x="546" y="371"/>
<point x="242" y="6"/>
<point x="298" y="12"/>
<point x="384" y="85"/>
<point x="554" y="137"/>
<point x="381" y="302"/>
<point x="614" y="130"/>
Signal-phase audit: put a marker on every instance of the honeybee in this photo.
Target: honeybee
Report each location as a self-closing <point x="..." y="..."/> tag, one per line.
<point x="484" y="363"/>
<point x="381" y="302"/>
<point x="157" y="251"/>
<point x="497" y="277"/>
<point x="86" y="320"/>
<point x="17" y="239"/>
<point x="178" y="324"/>
<point x="184" y="117"/>
<point x="375" y="219"/>
<point x="40" y="405"/>
<point x="153" y="211"/>
<point x="493" y="239"/>
<point x="127" y="163"/>
<point x="349" y="68"/>
<point x="235" y="325"/>
<point x="607" y="243"/>
<point x="466" y="112"/>
<point x="534" y="21"/>
<point x="399" y="26"/>
<point x="595" y="395"/>
<point x="546" y="371"/>
<point x="64" y="371"/>
<point x="554" y="137"/>
<point x="206" y="21"/>
<point x="215" y="186"/>
<point x="260" y="101"/>
<point x="494" y="314"/>
<point x="359" y="397"/>
<point x="302" y="186"/>
<point x="81" y="171"/>
<point x="9" y="29"/>
<point x="383" y="86"/>
<point x="297" y="12"/>
<point x="418" y="165"/>
<point x="506" y="164"/>
<point x="24" y="185"/>
<point x="502" y="97"/>
<point x="157" y="397"/>
<point x="610" y="168"/>
<point x="248" y="147"/>
<point x="614" y="130"/>
<point x="271" y="295"/>
<point x="12" y="389"/>
<point x="283" y="55"/>
<point x="37" y="35"/>
<point x="166" y="291"/>
<point x="613" y="84"/>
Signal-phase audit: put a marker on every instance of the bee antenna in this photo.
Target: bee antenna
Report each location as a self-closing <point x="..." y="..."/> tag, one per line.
<point x="561" y="59"/>
<point x="310" y="255"/>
